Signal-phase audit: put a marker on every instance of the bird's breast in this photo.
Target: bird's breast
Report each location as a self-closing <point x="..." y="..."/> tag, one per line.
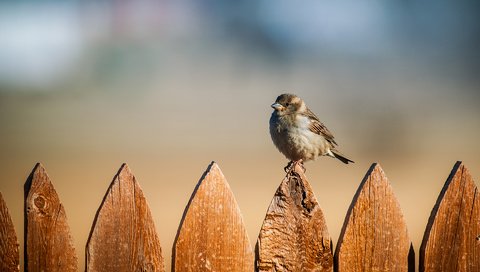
<point x="294" y="139"/>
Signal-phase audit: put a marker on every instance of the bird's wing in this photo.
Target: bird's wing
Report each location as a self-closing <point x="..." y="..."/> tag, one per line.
<point x="318" y="127"/>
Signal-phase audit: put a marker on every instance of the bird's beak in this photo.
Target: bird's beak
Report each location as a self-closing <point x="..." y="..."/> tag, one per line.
<point x="277" y="106"/>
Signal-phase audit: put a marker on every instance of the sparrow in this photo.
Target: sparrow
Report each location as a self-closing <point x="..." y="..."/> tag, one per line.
<point x="298" y="133"/>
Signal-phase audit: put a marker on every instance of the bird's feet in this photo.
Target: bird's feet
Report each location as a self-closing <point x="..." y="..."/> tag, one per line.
<point x="291" y="165"/>
<point x="288" y="167"/>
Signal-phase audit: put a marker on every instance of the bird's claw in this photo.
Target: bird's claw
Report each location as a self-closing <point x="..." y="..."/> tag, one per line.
<point x="288" y="168"/>
<point x="291" y="165"/>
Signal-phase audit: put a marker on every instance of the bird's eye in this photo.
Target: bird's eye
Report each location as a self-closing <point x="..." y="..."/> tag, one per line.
<point x="287" y="104"/>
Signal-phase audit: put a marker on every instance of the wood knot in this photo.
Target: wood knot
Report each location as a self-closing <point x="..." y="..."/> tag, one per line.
<point x="40" y="204"/>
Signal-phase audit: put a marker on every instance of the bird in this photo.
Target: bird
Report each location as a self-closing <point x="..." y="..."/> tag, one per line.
<point x="298" y="133"/>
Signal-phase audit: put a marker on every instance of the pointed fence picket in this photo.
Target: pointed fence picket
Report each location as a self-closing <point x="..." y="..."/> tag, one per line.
<point x="212" y="235"/>
<point x="374" y="236"/>
<point x="294" y="234"/>
<point x="452" y="239"/>
<point x="123" y="236"/>
<point x="48" y="243"/>
<point x="10" y="259"/>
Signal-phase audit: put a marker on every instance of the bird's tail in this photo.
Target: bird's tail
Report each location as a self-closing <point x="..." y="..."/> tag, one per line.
<point x="341" y="157"/>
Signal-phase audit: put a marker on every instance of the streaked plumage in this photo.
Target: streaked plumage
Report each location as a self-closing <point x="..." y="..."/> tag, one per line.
<point x="298" y="133"/>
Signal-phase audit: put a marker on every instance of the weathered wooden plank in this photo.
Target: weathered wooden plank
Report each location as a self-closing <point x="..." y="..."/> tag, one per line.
<point x="212" y="235"/>
<point x="374" y="236"/>
<point x="294" y="234"/>
<point x="452" y="237"/>
<point x="9" y="256"/>
<point x="123" y="236"/>
<point x="48" y="243"/>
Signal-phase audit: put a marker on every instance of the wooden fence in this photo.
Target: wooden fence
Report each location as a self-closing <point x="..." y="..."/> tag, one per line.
<point x="212" y="236"/>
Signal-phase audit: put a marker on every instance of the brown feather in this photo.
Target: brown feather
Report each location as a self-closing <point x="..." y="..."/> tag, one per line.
<point x="318" y="127"/>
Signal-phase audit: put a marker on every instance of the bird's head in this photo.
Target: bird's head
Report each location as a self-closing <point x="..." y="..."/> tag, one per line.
<point x="288" y="104"/>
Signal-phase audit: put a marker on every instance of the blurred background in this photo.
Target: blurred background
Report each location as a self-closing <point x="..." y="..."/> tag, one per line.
<point x="168" y="86"/>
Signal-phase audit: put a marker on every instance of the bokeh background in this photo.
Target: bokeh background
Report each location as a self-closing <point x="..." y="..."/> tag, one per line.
<point x="168" y="86"/>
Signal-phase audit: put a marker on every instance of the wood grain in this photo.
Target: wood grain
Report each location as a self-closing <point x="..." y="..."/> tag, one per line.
<point x="294" y="234"/>
<point x="452" y="237"/>
<point x="212" y="235"/>
<point x="48" y="243"/>
<point x="374" y="236"/>
<point x="123" y="236"/>
<point x="9" y="256"/>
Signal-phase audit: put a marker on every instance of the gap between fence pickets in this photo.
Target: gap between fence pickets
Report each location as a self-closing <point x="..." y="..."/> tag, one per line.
<point x="38" y="204"/>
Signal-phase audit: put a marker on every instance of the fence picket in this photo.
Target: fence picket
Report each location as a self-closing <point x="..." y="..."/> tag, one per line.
<point x="10" y="260"/>
<point x="123" y="235"/>
<point x="294" y="234"/>
<point x="374" y="236"/>
<point x="452" y="237"/>
<point x="212" y="235"/>
<point x="49" y="245"/>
